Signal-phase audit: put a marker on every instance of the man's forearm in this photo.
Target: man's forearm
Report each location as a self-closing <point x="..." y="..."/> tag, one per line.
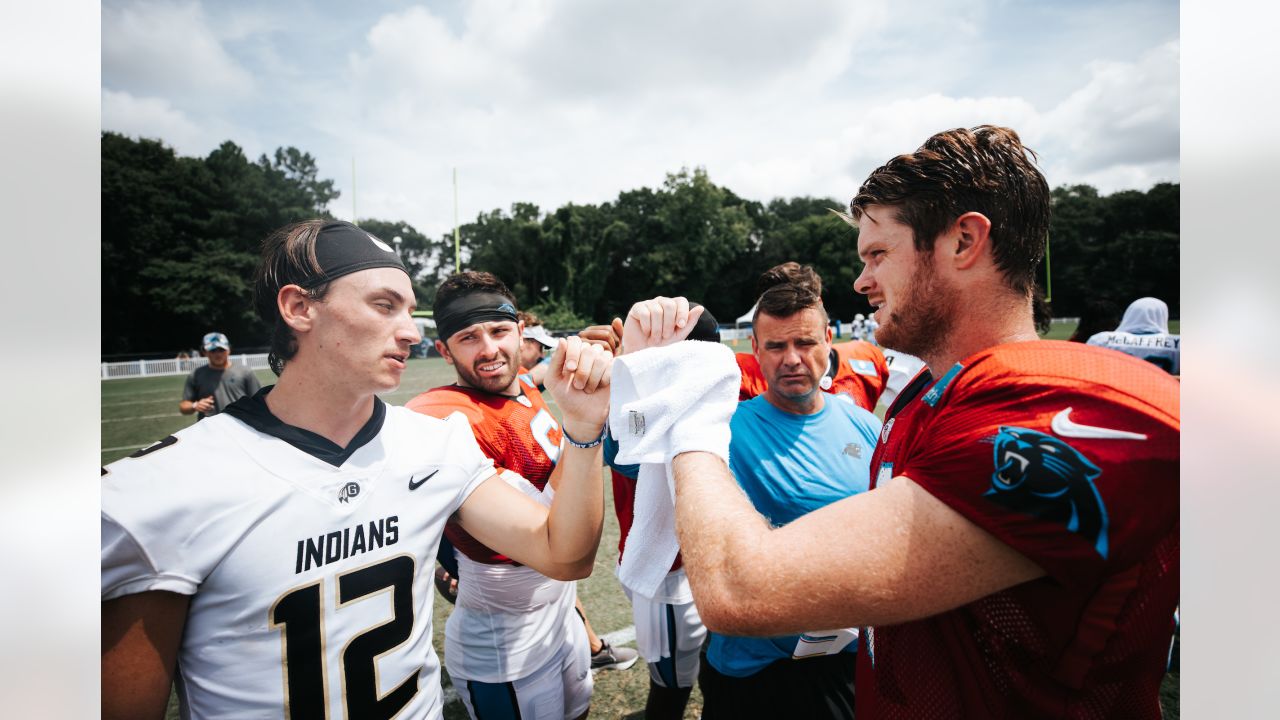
<point x="719" y="532"/>
<point x="577" y="512"/>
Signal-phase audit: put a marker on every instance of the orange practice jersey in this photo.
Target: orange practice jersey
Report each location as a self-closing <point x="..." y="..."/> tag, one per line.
<point x="861" y="373"/>
<point x="519" y="434"/>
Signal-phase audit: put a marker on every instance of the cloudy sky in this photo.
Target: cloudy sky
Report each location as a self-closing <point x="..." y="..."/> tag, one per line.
<point x="555" y="101"/>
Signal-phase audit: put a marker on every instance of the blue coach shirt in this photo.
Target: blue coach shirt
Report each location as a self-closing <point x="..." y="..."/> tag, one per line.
<point x="790" y="465"/>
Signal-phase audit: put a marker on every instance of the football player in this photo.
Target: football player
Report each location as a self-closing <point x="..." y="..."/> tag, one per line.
<point x="1017" y="555"/>
<point x="536" y="341"/>
<point x="514" y="646"/>
<point x="290" y="577"/>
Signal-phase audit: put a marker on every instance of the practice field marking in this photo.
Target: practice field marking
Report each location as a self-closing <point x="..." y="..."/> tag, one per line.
<point x="135" y="402"/>
<point x="620" y="637"/>
<point x="123" y="447"/>
<point x="139" y="417"/>
<point x="617" y="637"/>
<point x="128" y="393"/>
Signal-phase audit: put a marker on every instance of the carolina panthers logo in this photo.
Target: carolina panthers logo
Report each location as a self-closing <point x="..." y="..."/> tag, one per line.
<point x="1040" y="475"/>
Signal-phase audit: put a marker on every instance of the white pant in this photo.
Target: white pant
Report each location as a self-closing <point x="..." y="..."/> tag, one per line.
<point x="669" y="631"/>
<point x="559" y="689"/>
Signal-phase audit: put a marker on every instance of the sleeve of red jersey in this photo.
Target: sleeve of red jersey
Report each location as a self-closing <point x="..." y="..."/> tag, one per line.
<point x="753" y="382"/>
<point x="1078" y="480"/>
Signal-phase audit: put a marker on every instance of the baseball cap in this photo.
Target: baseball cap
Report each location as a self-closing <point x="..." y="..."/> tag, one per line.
<point x="216" y="341"/>
<point x="539" y="333"/>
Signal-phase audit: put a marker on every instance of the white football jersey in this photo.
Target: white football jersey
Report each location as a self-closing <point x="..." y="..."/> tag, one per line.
<point x="1160" y="348"/>
<point x="508" y="620"/>
<point x="311" y="584"/>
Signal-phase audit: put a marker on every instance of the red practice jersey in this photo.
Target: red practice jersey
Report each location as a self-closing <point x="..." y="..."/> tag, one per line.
<point x="519" y="434"/>
<point x="861" y="373"/>
<point x="1069" y="455"/>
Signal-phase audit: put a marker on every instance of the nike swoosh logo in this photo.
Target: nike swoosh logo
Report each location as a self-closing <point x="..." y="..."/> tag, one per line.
<point x="415" y="485"/>
<point x="1063" y="425"/>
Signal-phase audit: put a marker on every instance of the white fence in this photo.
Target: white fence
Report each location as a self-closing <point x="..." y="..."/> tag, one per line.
<point x="258" y="361"/>
<point x="730" y="334"/>
<point x="175" y="366"/>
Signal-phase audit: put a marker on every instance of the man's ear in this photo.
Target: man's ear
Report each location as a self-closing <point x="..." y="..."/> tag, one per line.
<point x="755" y="350"/>
<point x="444" y="351"/>
<point x="295" y="307"/>
<point x="973" y="239"/>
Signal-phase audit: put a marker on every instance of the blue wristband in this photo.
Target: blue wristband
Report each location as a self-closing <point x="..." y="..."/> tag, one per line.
<point x="585" y="446"/>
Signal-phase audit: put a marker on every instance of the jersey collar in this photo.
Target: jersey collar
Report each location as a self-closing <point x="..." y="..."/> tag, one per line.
<point x="253" y="411"/>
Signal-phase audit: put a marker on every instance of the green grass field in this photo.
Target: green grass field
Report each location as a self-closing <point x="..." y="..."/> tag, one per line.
<point x="137" y="412"/>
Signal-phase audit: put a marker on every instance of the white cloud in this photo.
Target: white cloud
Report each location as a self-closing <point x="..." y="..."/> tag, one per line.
<point x="664" y="46"/>
<point x="154" y="118"/>
<point x="893" y="127"/>
<point x="556" y="101"/>
<point x="168" y="49"/>
<point x="1126" y="116"/>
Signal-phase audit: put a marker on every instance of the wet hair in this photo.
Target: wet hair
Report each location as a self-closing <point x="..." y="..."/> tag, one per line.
<point x="986" y="170"/>
<point x="789" y="272"/>
<point x="1041" y="312"/>
<point x="288" y="258"/>
<point x="529" y="319"/>
<point x="786" y="299"/>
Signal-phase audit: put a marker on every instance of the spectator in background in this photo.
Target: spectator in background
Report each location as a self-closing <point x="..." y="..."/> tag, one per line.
<point x="535" y="340"/>
<point x="1098" y="315"/>
<point x="859" y="327"/>
<point x="1144" y="334"/>
<point x="212" y="387"/>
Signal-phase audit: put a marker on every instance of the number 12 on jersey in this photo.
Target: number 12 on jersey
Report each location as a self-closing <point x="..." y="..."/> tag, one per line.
<point x="299" y="615"/>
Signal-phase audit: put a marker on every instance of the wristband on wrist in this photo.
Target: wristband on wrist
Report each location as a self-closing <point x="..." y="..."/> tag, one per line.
<point x="585" y="446"/>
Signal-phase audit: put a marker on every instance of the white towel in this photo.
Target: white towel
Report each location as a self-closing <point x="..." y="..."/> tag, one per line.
<point x="665" y="401"/>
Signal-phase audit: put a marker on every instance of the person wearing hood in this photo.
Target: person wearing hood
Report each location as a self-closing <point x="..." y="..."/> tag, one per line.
<point x="1144" y="334"/>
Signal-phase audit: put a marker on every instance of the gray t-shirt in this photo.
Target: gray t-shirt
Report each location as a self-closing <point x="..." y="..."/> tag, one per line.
<point x="226" y="386"/>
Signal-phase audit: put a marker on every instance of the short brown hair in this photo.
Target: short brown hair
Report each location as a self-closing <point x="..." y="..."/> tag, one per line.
<point x="786" y="299"/>
<point x="288" y="258"/>
<point x="467" y="282"/>
<point x="792" y="273"/>
<point x="987" y="170"/>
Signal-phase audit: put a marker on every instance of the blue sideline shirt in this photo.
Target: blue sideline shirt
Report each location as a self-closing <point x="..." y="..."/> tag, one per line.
<point x="790" y="465"/>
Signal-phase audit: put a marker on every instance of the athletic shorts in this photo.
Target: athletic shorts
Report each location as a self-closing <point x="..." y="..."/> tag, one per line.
<point x="819" y="687"/>
<point x="559" y="689"/>
<point x="669" y="634"/>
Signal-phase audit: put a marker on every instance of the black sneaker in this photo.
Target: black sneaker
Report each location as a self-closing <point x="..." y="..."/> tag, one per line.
<point x="613" y="658"/>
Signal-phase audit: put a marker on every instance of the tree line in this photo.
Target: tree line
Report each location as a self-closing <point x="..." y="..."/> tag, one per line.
<point x="180" y="238"/>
